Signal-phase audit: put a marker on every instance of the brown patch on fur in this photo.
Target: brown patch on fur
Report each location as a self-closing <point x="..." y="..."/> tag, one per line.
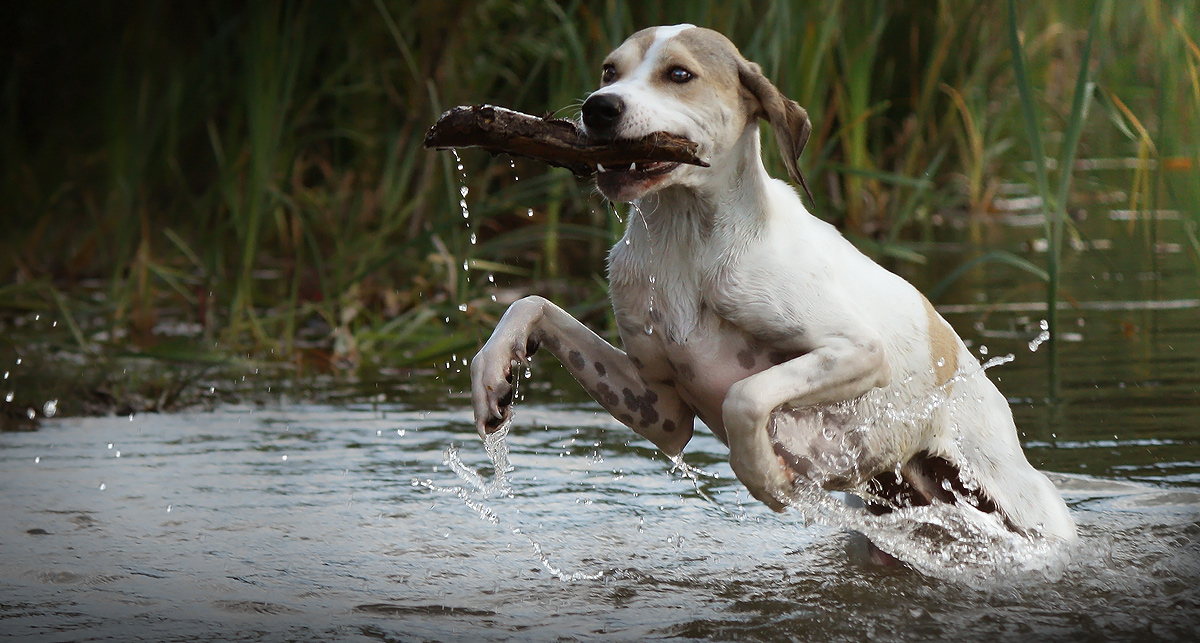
<point x="631" y="52"/>
<point x="745" y="357"/>
<point x="605" y="395"/>
<point x="643" y="405"/>
<point x="943" y="345"/>
<point x="779" y="357"/>
<point x="924" y="479"/>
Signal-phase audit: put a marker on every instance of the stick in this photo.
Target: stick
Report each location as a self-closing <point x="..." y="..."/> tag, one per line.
<point x="556" y="141"/>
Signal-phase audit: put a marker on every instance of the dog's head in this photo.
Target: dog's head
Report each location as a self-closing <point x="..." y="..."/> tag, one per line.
<point x="691" y="82"/>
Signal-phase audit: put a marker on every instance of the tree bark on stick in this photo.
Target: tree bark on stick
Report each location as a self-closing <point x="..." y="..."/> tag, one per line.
<point x="555" y="141"/>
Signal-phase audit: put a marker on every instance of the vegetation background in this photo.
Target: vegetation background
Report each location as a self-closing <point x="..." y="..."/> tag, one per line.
<point x="188" y="187"/>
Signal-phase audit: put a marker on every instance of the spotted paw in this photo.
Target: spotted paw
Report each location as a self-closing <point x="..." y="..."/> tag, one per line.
<point x="492" y="390"/>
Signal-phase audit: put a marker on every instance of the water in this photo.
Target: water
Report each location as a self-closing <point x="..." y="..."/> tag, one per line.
<point x="201" y="529"/>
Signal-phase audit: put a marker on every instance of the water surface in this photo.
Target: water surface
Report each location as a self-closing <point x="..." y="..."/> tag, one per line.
<point x="303" y="522"/>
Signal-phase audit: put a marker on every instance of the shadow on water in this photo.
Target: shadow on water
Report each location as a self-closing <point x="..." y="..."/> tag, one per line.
<point x="285" y="522"/>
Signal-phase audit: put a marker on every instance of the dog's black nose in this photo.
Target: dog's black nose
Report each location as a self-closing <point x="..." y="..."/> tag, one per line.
<point x="601" y="113"/>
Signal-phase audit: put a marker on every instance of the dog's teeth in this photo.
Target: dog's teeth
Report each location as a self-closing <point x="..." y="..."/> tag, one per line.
<point x="632" y="166"/>
<point x="600" y="168"/>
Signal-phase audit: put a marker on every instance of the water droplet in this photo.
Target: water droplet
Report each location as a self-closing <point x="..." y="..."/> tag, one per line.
<point x="473" y="238"/>
<point x="5" y="374"/>
<point x="31" y="413"/>
<point x="168" y="508"/>
<point x="9" y="397"/>
<point x="528" y="373"/>
<point x="529" y="212"/>
<point x="983" y="350"/>
<point x="1039" y="340"/>
<point x="941" y="362"/>
<point x="117" y="454"/>
<point x="1044" y="324"/>
<point x="130" y="417"/>
<point x="103" y="486"/>
<point x="463" y="191"/>
<point x="400" y="432"/>
<point x="285" y="458"/>
<point x="37" y="460"/>
<point x="49" y="408"/>
<point x="462" y="308"/>
<point x="110" y="445"/>
<point x="379" y="432"/>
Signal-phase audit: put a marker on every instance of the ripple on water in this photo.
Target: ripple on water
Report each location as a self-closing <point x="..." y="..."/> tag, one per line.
<point x="337" y="542"/>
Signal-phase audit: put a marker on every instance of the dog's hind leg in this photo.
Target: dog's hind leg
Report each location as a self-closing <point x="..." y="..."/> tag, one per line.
<point x="652" y="409"/>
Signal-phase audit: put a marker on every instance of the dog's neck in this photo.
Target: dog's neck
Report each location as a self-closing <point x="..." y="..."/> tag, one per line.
<point x="681" y="236"/>
<point x="731" y="201"/>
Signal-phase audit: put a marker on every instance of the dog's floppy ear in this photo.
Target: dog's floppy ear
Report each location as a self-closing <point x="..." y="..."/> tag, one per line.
<point x="786" y="116"/>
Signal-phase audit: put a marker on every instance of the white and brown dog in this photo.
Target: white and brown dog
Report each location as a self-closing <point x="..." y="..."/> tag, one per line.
<point x="737" y="306"/>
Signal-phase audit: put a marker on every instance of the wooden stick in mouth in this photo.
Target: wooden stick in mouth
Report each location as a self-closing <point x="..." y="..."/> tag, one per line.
<point x="555" y="141"/>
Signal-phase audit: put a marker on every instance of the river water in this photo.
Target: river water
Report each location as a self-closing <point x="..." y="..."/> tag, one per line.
<point x="317" y="523"/>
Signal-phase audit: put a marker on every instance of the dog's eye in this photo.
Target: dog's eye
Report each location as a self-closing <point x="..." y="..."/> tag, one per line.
<point x="679" y="75"/>
<point x="607" y="73"/>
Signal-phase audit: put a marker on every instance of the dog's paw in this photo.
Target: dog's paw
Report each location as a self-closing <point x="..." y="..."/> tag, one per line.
<point x="492" y="389"/>
<point x="778" y="490"/>
<point x="768" y="480"/>
<point x="493" y="383"/>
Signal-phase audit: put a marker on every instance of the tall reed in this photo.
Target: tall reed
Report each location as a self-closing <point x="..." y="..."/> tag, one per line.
<point x="257" y="170"/>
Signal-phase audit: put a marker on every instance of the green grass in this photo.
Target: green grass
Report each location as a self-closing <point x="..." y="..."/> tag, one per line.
<point x="257" y="171"/>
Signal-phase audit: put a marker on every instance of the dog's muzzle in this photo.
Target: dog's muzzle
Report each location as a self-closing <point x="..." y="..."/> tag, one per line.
<point x="601" y="113"/>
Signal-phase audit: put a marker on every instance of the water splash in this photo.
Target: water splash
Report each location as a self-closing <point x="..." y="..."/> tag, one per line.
<point x="955" y="542"/>
<point x="1042" y="337"/>
<point x="496" y="446"/>
<point x="952" y="541"/>
<point x="694" y="474"/>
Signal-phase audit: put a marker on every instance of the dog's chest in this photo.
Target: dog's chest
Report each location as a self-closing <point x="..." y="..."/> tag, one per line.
<point x="671" y="331"/>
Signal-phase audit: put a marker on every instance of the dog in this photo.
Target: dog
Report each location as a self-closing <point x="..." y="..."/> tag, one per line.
<point x="737" y="306"/>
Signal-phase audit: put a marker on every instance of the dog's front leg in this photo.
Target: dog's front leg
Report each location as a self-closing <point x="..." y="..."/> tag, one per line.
<point x="652" y="409"/>
<point x="844" y="366"/>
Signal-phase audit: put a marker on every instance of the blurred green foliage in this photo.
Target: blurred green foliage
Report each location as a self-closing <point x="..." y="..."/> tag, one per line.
<point x="208" y="178"/>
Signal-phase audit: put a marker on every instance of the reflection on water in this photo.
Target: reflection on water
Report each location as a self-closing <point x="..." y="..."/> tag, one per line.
<point x="302" y="523"/>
